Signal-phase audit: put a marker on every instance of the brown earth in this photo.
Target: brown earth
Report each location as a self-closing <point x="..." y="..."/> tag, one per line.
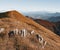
<point x="13" y="19"/>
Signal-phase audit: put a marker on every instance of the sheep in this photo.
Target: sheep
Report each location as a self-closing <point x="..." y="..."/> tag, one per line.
<point x="44" y="44"/>
<point x="32" y="32"/>
<point x="41" y="40"/>
<point x="1" y="30"/>
<point x="16" y="31"/>
<point x="19" y="32"/>
<point x="11" y="33"/>
<point x="23" y="32"/>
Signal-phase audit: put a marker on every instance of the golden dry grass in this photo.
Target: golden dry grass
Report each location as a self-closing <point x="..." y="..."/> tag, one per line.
<point x="17" y="20"/>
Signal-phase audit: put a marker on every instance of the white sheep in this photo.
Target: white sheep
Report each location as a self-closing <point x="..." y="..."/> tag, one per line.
<point x="41" y="40"/>
<point x="1" y="30"/>
<point x="39" y="37"/>
<point x="23" y="32"/>
<point x="19" y="31"/>
<point x="16" y="31"/>
<point x="32" y="32"/>
<point x="44" y="44"/>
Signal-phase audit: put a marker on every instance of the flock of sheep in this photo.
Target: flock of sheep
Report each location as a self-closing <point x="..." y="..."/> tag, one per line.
<point x="23" y="33"/>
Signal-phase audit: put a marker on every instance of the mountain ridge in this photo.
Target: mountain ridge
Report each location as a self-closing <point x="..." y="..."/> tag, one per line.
<point x="17" y="20"/>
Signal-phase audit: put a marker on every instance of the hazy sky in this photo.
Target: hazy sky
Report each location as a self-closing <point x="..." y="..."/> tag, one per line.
<point x="30" y="5"/>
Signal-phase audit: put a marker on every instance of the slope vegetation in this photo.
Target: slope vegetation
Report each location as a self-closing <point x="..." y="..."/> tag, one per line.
<point x="11" y="20"/>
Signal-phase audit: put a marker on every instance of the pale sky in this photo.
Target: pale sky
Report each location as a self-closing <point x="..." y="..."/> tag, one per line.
<point x="30" y="5"/>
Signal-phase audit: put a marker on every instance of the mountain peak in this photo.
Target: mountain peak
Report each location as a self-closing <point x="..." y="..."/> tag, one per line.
<point x="14" y="11"/>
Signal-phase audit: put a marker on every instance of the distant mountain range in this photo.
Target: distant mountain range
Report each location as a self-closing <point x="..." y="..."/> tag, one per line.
<point x="53" y="26"/>
<point x="54" y="17"/>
